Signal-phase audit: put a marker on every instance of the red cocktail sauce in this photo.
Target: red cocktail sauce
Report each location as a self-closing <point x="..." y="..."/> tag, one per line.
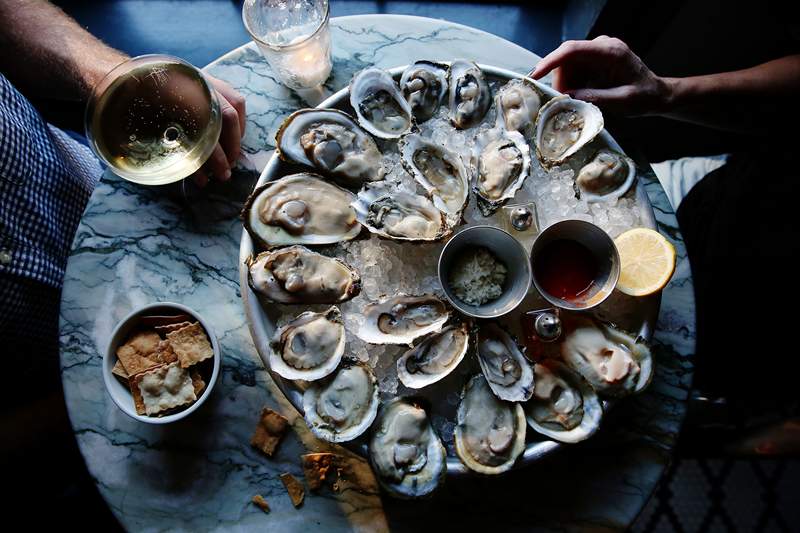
<point x="565" y="269"/>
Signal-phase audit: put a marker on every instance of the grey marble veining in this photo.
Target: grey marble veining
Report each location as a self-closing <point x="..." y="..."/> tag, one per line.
<point x="134" y="246"/>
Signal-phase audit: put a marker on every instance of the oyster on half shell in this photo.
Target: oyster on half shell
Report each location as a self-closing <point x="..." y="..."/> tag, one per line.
<point x="490" y="433"/>
<point x="296" y="275"/>
<point x="407" y="456"/>
<point x="613" y="362"/>
<point x="342" y="406"/>
<point x="470" y="96"/>
<point x="300" y="209"/>
<point x="518" y="103"/>
<point x="379" y="104"/>
<point x="503" y="165"/>
<point x="441" y="173"/>
<point x="606" y="177"/>
<point x="424" y="85"/>
<point x="399" y="215"/>
<point x="563" y="407"/>
<point x="563" y="127"/>
<point x="434" y="357"/>
<point x="309" y="347"/>
<point x="506" y="369"/>
<point x="401" y="319"/>
<point x="331" y="142"/>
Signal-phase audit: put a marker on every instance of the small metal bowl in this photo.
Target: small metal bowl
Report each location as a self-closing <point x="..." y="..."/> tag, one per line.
<point x="599" y="244"/>
<point x="507" y="250"/>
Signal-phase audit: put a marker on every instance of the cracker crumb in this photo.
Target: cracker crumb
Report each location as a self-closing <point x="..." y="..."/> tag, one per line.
<point x="269" y="431"/>
<point x="294" y="488"/>
<point x="316" y="467"/>
<point x="261" y="503"/>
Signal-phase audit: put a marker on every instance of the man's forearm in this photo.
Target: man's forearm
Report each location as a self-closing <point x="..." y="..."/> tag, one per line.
<point x="747" y="100"/>
<point x="45" y="52"/>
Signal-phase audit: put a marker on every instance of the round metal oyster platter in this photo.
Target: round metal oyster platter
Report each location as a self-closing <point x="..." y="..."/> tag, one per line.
<point x="634" y="315"/>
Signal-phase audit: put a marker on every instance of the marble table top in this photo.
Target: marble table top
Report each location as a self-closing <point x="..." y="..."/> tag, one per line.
<point x="136" y="246"/>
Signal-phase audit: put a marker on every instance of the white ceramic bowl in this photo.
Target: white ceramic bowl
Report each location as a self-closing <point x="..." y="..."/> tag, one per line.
<point x="121" y="394"/>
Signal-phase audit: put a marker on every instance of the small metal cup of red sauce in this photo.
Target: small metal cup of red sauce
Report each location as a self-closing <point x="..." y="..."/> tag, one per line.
<point x="575" y="265"/>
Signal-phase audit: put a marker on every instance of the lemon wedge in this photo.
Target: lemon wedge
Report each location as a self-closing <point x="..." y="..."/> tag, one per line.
<point x="647" y="261"/>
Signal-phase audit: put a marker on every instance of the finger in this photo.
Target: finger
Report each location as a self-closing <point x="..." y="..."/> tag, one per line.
<point x="230" y="138"/>
<point x="616" y="99"/>
<point x="200" y="178"/>
<point x="218" y="165"/>
<point x="234" y="99"/>
<point x="562" y="54"/>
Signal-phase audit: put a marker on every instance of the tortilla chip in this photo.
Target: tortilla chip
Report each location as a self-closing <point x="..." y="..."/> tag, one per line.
<point x="132" y="362"/>
<point x="316" y="467"/>
<point x="294" y="488"/>
<point x="119" y="370"/>
<point x="261" y="503"/>
<point x="269" y="431"/>
<point x="164" y="353"/>
<point x="190" y="345"/>
<point x="166" y="328"/>
<point x="144" y="342"/>
<point x="155" y="321"/>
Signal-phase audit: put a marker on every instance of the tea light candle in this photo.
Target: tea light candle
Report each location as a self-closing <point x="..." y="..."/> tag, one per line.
<point x="294" y="37"/>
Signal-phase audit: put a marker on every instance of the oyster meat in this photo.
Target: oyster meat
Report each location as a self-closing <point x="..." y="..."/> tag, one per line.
<point x="489" y="433"/>
<point x="434" y="358"/>
<point x="506" y="369"/>
<point x="518" y="103"/>
<point x="606" y="177"/>
<point x="503" y="166"/>
<point x="401" y="319"/>
<point x="563" y="127"/>
<point x="563" y="407"/>
<point x="407" y="456"/>
<point x="470" y="96"/>
<point x="440" y="172"/>
<point x="331" y="142"/>
<point x="379" y="105"/>
<point x="613" y="362"/>
<point x="300" y="209"/>
<point x="309" y="347"/>
<point x="424" y="85"/>
<point x="297" y="275"/>
<point x="341" y="407"/>
<point x="399" y="215"/>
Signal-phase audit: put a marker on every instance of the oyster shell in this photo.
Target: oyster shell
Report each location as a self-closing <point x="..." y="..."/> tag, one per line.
<point x="407" y="456"/>
<point x="563" y="407"/>
<point x="503" y="165"/>
<point x="440" y="172"/>
<point x="563" y="127"/>
<point x="606" y="177"/>
<point x="490" y="433"/>
<point x="613" y="362"/>
<point x="379" y="105"/>
<point x="297" y="275"/>
<point x="424" y="85"/>
<point x="518" y="103"/>
<point x="469" y="95"/>
<point x="341" y="407"/>
<point x="506" y="369"/>
<point x="331" y="142"/>
<point x="309" y="347"/>
<point x="399" y="215"/>
<point x="300" y="209"/>
<point x="401" y="319"/>
<point x="434" y="358"/>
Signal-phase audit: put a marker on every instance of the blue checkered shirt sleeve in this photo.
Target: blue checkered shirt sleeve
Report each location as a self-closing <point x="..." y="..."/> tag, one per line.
<point x="46" y="179"/>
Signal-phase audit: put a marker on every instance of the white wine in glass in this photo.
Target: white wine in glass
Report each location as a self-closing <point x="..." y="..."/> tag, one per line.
<point x="154" y="119"/>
